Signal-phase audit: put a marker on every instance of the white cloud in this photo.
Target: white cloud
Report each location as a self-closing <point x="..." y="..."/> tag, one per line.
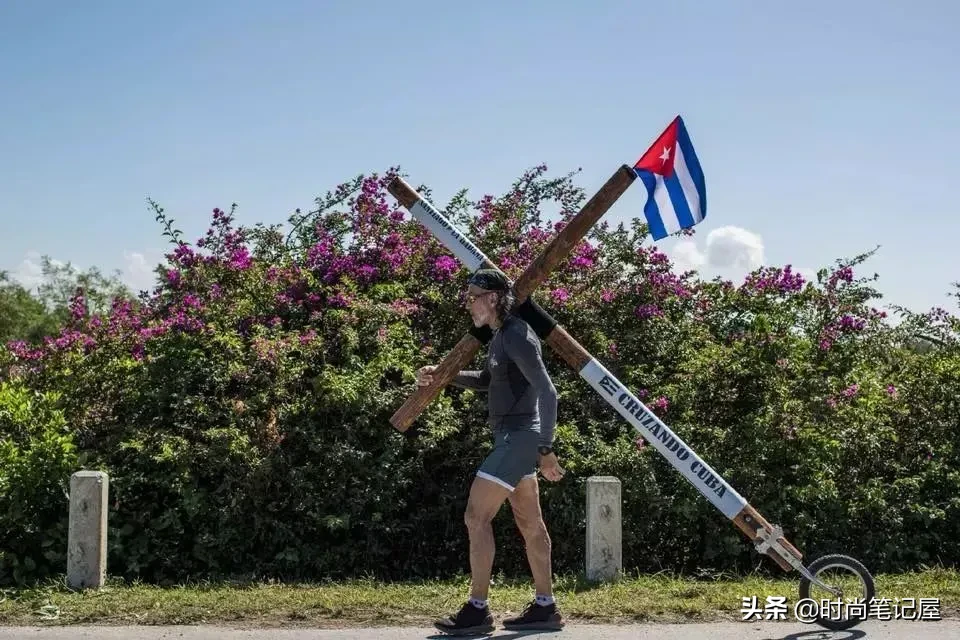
<point x="686" y="256"/>
<point x="136" y="269"/>
<point x="137" y="272"/>
<point x="809" y="275"/>
<point x="733" y="247"/>
<point x="29" y="273"/>
<point x="729" y="252"/>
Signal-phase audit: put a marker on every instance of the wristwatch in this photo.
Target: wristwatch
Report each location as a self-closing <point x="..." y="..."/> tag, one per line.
<point x="544" y="450"/>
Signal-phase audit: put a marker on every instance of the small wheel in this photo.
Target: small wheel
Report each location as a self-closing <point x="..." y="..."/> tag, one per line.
<point x="834" y="570"/>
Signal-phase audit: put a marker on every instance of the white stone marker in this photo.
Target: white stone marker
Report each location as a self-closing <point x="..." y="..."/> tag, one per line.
<point x="87" y="535"/>
<point x="604" y="533"/>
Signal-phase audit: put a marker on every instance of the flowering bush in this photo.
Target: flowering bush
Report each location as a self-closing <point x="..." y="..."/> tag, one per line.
<point x="242" y="407"/>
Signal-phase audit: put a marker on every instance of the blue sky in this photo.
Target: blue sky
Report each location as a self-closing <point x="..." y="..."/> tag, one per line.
<point x="823" y="129"/>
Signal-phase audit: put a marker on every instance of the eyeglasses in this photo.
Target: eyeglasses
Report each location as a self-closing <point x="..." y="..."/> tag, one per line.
<point x="472" y="297"/>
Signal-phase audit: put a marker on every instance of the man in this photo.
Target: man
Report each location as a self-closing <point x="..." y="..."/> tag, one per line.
<point x="522" y="412"/>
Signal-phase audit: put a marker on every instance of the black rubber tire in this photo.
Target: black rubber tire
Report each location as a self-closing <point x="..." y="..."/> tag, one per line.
<point x="851" y="564"/>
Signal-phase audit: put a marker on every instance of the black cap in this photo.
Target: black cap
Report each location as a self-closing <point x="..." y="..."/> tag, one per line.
<point x="489" y="279"/>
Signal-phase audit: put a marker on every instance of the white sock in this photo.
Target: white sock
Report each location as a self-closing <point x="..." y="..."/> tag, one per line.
<point x="544" y="600"/>
<point x="479" y="604"/>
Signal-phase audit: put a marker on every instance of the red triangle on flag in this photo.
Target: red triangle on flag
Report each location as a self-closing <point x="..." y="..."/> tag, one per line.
<point x="659" y="157"/>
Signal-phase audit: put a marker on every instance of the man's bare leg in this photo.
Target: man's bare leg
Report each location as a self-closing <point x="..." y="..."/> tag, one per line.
<point x="525" y="502"/>
<point x="486" y="498"/>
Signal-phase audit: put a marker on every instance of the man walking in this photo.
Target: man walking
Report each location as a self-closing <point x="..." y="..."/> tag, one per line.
<point x="522" y="412"/>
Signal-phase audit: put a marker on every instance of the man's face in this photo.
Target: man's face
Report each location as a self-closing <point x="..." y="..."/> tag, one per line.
<point x="482" y="305"/>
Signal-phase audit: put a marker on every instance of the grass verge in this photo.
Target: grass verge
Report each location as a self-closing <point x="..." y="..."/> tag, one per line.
<point x="658" y="598"/>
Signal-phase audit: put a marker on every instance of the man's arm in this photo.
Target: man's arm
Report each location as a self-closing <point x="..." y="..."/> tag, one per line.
<point x="525" y="351"/>
<point x="474" y="380"/>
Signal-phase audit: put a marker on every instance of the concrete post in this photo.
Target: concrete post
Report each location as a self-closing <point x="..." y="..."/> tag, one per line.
<point x="604" y="532"/>
<point x="87" y="535"/>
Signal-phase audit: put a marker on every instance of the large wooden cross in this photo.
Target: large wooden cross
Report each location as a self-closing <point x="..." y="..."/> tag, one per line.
<point x="558" y="249"/>
<point x="768" y="539"/>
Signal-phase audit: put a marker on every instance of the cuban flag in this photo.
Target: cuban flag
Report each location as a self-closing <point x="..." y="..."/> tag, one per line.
<point x="676" y="192"/>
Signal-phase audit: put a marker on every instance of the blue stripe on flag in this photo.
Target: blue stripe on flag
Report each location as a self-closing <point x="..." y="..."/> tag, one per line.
<point x="650" y="209"/>
<point x="693" y="165"/>
<point x="679" y="200"/>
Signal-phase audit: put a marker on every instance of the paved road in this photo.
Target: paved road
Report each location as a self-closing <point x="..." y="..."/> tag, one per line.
<point x="871" y="630"/>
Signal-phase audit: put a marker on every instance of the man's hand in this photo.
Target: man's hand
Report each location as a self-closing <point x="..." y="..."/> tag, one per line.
<point x="424" y="375"/>
<point x="550" y="467"/>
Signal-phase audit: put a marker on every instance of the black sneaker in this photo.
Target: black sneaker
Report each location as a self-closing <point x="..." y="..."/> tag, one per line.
<point x="536" y="616"/>
<point x="468" y="621"/>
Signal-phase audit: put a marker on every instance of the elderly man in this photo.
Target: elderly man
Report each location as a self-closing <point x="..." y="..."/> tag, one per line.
<point x="522" y="412"/>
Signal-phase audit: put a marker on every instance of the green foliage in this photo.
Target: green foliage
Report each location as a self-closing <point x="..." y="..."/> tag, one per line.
<point x="37" y="456"/>
<point x="22" y="315"/>
<point x="242" y="410"/>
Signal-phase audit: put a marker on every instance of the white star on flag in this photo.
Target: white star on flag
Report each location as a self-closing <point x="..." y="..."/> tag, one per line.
<point x="665" y="155"/>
